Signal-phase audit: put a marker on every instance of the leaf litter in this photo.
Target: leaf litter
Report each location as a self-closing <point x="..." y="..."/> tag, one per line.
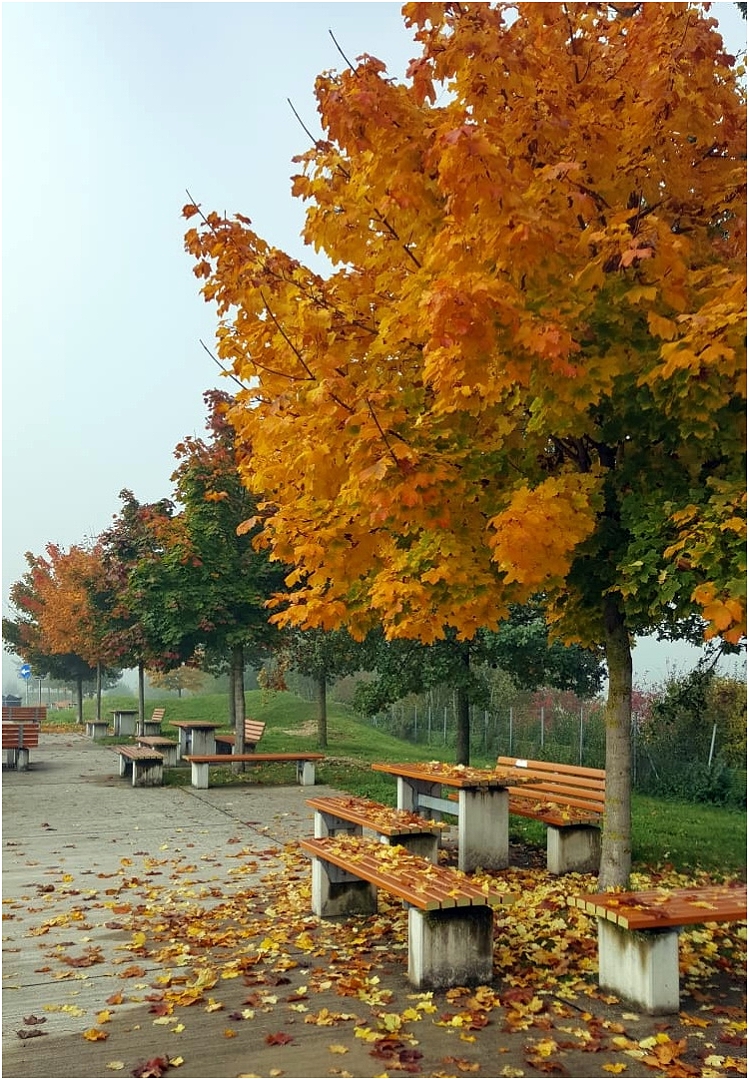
<point x="192" y="940"/>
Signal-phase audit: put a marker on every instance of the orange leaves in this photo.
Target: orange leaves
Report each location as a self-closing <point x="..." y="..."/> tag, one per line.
<point x="537" y="292"/>
<point x="536" y="536"/>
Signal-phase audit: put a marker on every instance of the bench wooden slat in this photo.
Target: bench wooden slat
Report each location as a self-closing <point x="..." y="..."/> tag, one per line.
<point x="372" y="815"/>
<point x="138" y="753"/>
<point x="18" y="736"/>
<point x="652" y="909"/>
<point x="551" y="784"/>
<point x="253" y="732"/>
<point x="25" y="713"/>
<point x="404" y="875"/>
<point x="229" y="759"/>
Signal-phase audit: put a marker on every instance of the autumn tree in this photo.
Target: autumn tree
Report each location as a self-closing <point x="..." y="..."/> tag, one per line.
<point x="525" y="371"/>
<point x="178" y="679"/>
<point x="205" y="590"/>
<point x="137" y="538"/>
<point x="58" y="629"/>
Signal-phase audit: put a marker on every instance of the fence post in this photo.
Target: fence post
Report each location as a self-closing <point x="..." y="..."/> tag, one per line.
<point x="509" y="750"/>
<point x="542" y="727"/>
<point x="444" y="728"/>
<point x="429" y="724"/>
<point x="581" y="735"/>
<point x="712" y="746"/>
<point x="486" y="729"/>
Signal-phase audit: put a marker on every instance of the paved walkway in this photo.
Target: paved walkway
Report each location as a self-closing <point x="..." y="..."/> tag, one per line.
<point x="121" y="901"/>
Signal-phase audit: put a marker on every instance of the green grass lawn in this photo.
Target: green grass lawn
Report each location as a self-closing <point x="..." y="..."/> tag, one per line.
<point x="687" y="836"/>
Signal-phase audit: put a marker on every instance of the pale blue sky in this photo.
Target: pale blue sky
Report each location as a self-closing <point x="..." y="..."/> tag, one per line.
<point x="110" y="111"/>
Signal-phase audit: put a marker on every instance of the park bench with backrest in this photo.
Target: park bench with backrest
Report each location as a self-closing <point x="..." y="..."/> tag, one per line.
<point x="350" y="814"/>
<point x="450" y="916"/>
<point x="569" y="800"/>
<point x="18" y="738"/>
<point x="253" y="733"/>
<point x="638" y="937"/>
<point x="21" y="727"/>
<point x="153" y="726"/>
<point x="304" y="760"/>
<point x="145" y="764"/>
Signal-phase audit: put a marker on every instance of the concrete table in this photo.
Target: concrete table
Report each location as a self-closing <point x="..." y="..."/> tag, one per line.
<point x="196" y="736"/>
<point x="482" y="807"/>
<point x="125" y="721"/>
<point x="97" y="729"/>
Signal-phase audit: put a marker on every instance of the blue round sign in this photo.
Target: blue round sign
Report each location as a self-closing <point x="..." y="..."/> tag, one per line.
<point x="25" y="671"/>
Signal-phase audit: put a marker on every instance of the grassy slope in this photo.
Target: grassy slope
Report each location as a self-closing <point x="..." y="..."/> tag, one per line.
<point x="686" y="835"/>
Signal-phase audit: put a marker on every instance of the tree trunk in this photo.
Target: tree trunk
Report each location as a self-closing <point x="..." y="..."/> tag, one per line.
<point x="236" y="690"/>
<point x="322" y="711"/>
<point x="463" y="711"/>
<point x="616" y="854"/>
<point x="141" y="727"/>
<point x="98" y="692"/>
<point x="79" y="698"/>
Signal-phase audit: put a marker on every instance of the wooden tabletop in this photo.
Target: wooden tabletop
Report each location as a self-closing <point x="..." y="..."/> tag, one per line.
<point x="654" y="908"/>
<point x="206" y="725"/>
<point x="458" y="776"/>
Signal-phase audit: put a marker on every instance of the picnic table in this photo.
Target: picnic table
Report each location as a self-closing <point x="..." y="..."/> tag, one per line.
<point x="124" y="721"/>
<point x="196" y="736"/>
<point x="482" y="806"/>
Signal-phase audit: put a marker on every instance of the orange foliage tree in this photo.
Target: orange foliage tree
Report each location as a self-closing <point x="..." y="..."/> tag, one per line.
<point x="63" y="622"/>
<point x="524" y="373"/>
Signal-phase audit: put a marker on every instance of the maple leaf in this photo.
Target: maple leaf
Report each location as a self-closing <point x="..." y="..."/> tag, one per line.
<point x="94" y="1035"/>
<point x="156" y="1066"/>
<point x="279" y="1038"/>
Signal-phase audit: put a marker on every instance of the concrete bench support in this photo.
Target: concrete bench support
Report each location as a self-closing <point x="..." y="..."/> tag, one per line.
<point x="147" y="769"/>
<point x="451" y="947"/>
<point x="97" y="729"/>
<point x="450" y="917"/>
<point x="18" y="758"/>
<point x="573" y="849"/>
<point x="305" y="773"/>
<point x="641" y="966"/>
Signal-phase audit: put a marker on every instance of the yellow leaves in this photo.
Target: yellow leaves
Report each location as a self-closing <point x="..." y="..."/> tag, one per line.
<point x="661" y="327"/>
<point x="95" y="1035"/>
<point x="536" y="536"/>
<point x="615" y="1067"/>
<point x="724" y="615"/>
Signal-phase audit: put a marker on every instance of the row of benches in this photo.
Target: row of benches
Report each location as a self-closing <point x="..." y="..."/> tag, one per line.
<point x="450" y="917"/>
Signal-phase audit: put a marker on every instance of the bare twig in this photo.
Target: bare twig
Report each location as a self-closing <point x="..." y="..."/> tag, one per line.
<point x="225" y="370"/>
<point x="340" y="50"/>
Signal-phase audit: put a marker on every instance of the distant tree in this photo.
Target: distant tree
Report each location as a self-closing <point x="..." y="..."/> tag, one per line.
<point x="324" y="655"/>
<point x="179" y="679"/>
<point x="200" y="586"/>
<point x="57" y="629"/>
<point x="136" y="538"/>
<point x="520" y="646"/>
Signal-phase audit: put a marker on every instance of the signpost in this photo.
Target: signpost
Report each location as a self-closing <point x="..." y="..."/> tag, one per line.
<point x="25" y="672"/>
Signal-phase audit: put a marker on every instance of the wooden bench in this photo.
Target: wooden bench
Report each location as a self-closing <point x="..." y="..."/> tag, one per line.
<point x="147" y="765"/>
<point x="350" y="814"/>
<point x="168" y="748"/>
<point x="253" y="733"/>
<point x="18" y="738"/>
<point x="569" y="800"/>
<point x="27" y="713"/>
<point x="450" y="916"/>
<point x="153" y="726"/>
<point x="638" y="937"/>
<point x="200" y="763"/>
